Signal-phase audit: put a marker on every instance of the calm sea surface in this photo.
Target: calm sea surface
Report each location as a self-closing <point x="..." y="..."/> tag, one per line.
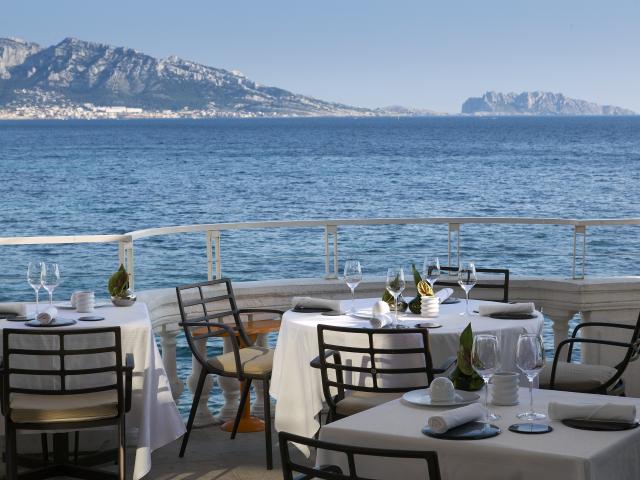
<point x="98" y="177"/>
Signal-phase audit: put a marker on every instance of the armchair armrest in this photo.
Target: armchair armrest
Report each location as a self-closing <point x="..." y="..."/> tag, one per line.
<point x="129" y="365"/>
<point x="600" y="324"/>
<point x="261" y="310"/>
<point x="230" y="331"/>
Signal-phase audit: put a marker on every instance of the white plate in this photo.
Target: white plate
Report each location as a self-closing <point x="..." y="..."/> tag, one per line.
<point x="67" y="305"/>
<point x="423" y="397"/>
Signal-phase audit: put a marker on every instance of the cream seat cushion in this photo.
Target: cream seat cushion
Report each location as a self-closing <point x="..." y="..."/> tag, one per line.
<point x="254" y="360"/>
<point x="360" y="401"/>
<point x="28" y="408"/>
<point x="576" y="377"/>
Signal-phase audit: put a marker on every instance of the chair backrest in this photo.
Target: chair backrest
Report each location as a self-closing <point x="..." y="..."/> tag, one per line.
<point x="335" y="472"/>
<point x="378" y="348"/>
<point x="62" y="362"/>
<point x="203" y="307"/>
<point x="502" y="282"/>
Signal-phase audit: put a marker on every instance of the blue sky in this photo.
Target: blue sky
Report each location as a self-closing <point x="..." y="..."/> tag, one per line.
<point x="422" y="53"/>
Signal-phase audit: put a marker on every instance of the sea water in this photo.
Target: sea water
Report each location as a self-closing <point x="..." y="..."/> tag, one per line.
<point x="111" y="177"/>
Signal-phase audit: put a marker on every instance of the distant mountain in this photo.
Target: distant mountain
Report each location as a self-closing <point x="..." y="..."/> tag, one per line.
<point x="76" y="72"/>
<point x="536" y="103"/>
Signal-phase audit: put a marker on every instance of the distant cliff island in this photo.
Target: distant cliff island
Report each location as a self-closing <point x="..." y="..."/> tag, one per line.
<point x="536" y="103"/>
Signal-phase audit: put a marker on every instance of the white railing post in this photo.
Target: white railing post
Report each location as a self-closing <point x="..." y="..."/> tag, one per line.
<point x="213" y="235"/>
<point x="579" y="230"/>
<point x="454" y="232"/>
<point x="125" y="256"/>
<point x="330" y="230"/>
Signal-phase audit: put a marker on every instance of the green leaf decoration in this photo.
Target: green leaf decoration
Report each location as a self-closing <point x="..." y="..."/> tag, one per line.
<point x="119" y="282"/>
<point x="464" y="377"/>
<point x="415" y="305"/>
<point x="416" y="274"/>
<point x="386" y="296"/>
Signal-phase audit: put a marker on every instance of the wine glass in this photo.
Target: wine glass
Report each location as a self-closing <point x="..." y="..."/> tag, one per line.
<point x="395" y="286"/>
<point x="50" y="278"/>
<point x="485" y="360"/>
<point x="431" y="270"/>
<point x="530" y="359"/>
<point x="352" y="277"/>
<point x="467" y="279"/>
<point x="34" y="277"/>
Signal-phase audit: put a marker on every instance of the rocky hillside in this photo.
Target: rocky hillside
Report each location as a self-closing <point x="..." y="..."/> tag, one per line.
<point x="536" y="103"/>
<point x="78" y="72"/>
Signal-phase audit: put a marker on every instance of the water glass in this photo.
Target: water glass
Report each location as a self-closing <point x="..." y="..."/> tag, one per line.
<point x="34" y="277"/>
<point x="467" y="279"/>
<point x="50" y="278"/>
<point x="352" y="277"/>
<point x="395" y="286"/>
<point x="485" y="360"/>
<point x="530" y="360"/>
<point x="431" y="270"/>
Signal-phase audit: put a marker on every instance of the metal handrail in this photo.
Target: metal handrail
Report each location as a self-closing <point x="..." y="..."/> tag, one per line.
<point x="213" y="236"/>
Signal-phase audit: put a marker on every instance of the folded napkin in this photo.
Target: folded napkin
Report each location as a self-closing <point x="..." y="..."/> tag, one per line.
<point x="310" y="302"/>
<point x="13" y="307"/>
<point x="444" y="294"/>
<point x="485" y="309"/>
<point x="380" y="320"/>
<point x="48" y="315"/>
<point x="456" y="417"/>
<point x="604" y="412"/>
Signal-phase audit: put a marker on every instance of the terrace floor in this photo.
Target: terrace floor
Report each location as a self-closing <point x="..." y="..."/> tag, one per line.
<point x="212" y="455"/>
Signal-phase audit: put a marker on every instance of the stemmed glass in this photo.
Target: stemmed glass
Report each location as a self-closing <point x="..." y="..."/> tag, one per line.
<point x="50" y="278"/>
<point x="431" y="270"/>
<point x="467" y="279"/>
<point x="352" y="277"/>
<point x="395" y="286"/>
<point x="485" y="359"/>
<point x="34" y="277"/>
<point x="530" y="359"/>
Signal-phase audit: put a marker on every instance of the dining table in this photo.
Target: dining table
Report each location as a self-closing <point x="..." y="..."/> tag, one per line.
<point x="154" y="420"/>
<point x="565" y="453"/>
<point x="297" y="386"/>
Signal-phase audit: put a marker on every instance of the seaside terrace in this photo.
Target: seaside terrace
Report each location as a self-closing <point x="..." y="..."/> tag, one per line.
<point x="182" y="319"/>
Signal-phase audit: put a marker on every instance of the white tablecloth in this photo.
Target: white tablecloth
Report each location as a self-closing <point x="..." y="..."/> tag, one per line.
<point x="564" y="454"/>
<point x="154" y="417"/>
<point x="298" y="387"/>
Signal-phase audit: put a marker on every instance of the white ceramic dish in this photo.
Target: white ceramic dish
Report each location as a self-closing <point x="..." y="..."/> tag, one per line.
<point x="423" y="397"/>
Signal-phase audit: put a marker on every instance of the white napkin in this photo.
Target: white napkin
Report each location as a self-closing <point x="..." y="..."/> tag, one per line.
<point x="380" y="320"/>
<point x="13" y="307"/>
<point x="456" y="417"/>
<point x="604" y="412"/>
<point x="485" y="309"/>
<point x="444" y="294"/>
<point x="311" y="302"/>
<point x="48" y="315"/>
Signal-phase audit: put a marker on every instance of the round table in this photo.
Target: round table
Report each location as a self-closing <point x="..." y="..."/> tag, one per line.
<point x="297" y="386"/>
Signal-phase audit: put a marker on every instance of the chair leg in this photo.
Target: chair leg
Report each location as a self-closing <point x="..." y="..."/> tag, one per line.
<point x="194" y="407"/>
<point x="45" y="448"/>
<point x="243" y="399"/>
<point x="11" y="453"/>
<point x="76" y="446"/>
<point x="122" y="438"/>
<point x="267" y="422"/>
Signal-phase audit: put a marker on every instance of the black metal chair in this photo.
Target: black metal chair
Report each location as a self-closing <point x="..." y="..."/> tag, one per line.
<point x="202" y="309"/>
<point x="334" y="472"/>
<point x="585" y="378"/>
<point x="51" y="382"/>
<point x="363" y="396"/>
<point x="502" y="283"/>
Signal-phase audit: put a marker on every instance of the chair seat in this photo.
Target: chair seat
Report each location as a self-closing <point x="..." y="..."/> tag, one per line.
<point x="361" y="401"/>
<point x="28" y="408"/>
<point x="576" y="377"/>
<point x="254" y="360"/>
